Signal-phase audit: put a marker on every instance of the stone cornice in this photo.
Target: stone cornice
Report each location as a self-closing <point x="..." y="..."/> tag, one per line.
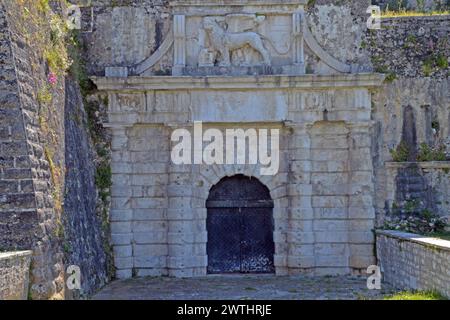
<point x="305" y="82"/>
<point x="234" y="3"/>
<point x="220" y="7"/>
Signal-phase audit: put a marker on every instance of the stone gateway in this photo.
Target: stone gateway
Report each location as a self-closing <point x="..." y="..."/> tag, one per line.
<point x="315" y="216"/>
<point x="240" y="227"/>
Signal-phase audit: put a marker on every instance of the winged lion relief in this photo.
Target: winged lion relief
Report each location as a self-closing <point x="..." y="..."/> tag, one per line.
<point x="227" y="41"/>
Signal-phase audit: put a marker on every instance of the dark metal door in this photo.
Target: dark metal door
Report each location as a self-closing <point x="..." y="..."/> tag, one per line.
<point x="240" y="227"/>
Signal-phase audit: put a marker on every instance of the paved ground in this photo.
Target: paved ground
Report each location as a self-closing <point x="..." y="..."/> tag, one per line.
<point x="242" y="288"/>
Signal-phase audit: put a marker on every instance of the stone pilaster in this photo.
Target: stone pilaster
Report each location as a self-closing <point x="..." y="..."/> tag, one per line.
<point x="179" y="33"/>
<point x="361" y="210"/>
<point x="300" y="235"/>
<point x="121" y="213"/>
<point x="186" y="216"/>
<point x="298" y="21"/>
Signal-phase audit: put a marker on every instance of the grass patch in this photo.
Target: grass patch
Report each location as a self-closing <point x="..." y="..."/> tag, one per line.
<point x="440" y="235"/>
<point x="416" y="295"/>
<point x="401" y="153"/>
<point x="407" y="13"/>
<point x="427" y="153"/>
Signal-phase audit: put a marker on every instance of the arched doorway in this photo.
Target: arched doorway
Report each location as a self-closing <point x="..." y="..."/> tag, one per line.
<point x="240" y="227"/>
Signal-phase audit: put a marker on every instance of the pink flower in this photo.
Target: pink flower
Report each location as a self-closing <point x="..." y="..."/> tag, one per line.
<point x="52" y="78"/>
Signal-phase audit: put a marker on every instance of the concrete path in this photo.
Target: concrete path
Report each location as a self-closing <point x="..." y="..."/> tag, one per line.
<point x="241" y="287"/>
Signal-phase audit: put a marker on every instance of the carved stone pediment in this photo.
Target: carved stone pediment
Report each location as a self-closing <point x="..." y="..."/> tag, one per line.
<point x="240" y="37"/>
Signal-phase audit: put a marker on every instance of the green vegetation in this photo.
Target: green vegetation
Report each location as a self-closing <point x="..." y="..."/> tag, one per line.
<point x="411" y="206"/>
<point x="400" y="154"/>
<point x="434" y="62"/>
<point x="407" y="13"/>
<point x="417" y="295"/>
<point x="311" y="3"/>
<point x="390" y="75"/>
<point x="78" y="67"/>
<point x="398" y="8"/>
<point x="45" y="33"/>
<point x="442" y="61"/>
<point x="427" y="153"/>
<point x="427" y="67"/>
<point x="44" y="95"/>
<point x="440" y="235"/>
<point x="103" y="179"/>
<point x="408" y="216"/>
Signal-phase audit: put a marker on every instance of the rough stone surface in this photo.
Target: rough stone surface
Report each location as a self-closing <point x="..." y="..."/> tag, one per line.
<point x="14" y="275"/>
<point x="428" y="98"/>
<point x="416" y="5"/>
<point x="86" y="237"/>
<point x="243" y="288"/>
<point x="29" y="210"/>
<point x="338" y="127"/>
<point x="32" y="167"/>
<point x="414" y="262"/>
<point x="123" y="33"/>
<point x="411" y="46"/>
<point x="325" y="180"/>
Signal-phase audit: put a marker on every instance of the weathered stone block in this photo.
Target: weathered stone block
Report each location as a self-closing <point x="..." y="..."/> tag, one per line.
<point x="301" y="262"/>
<point x="150" y="250"/>
<point x="123" y="251"/>
<point x="124" y="274"/>
<point x="149" y="214"/>
<point x="121" y="227"/>
<point x="14" y="275"/>
<point x="123" y="263"/>
<point x="121" y="215"/>
<point x="153" y="237"/>
<point x="121" y="238"/>
<point x="331" y="261"/>
<point x="331" y="237"/>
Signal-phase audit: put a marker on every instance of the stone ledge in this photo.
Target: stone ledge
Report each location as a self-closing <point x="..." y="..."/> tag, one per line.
<point x="423" y="165"/>
<point x="18" y="254"/>
<point x="234" y="3"/>
<point x="14" y="275"/>
<point x="306" y="82"/>
<point x="416" y="238"/>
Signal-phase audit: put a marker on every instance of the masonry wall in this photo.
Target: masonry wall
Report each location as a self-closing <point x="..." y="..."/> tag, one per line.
<point x="14" y="275"/>
<point x="427" y="181"/>
<point x="124" y="33"/>
<point x="86" y="216"/>
<point x="29" y="220"/>
<point x="41" y="210"/>
<point x="425" y="5"/>
<point x="414" y="54"/>
<point x="17" y="203"/>
<point x="429" y="102"/>
<point x="322" y="193"/>
<point x="412" y="262"/>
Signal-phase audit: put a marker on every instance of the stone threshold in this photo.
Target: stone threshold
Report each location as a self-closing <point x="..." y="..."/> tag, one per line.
<point x="416" y="238"/>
